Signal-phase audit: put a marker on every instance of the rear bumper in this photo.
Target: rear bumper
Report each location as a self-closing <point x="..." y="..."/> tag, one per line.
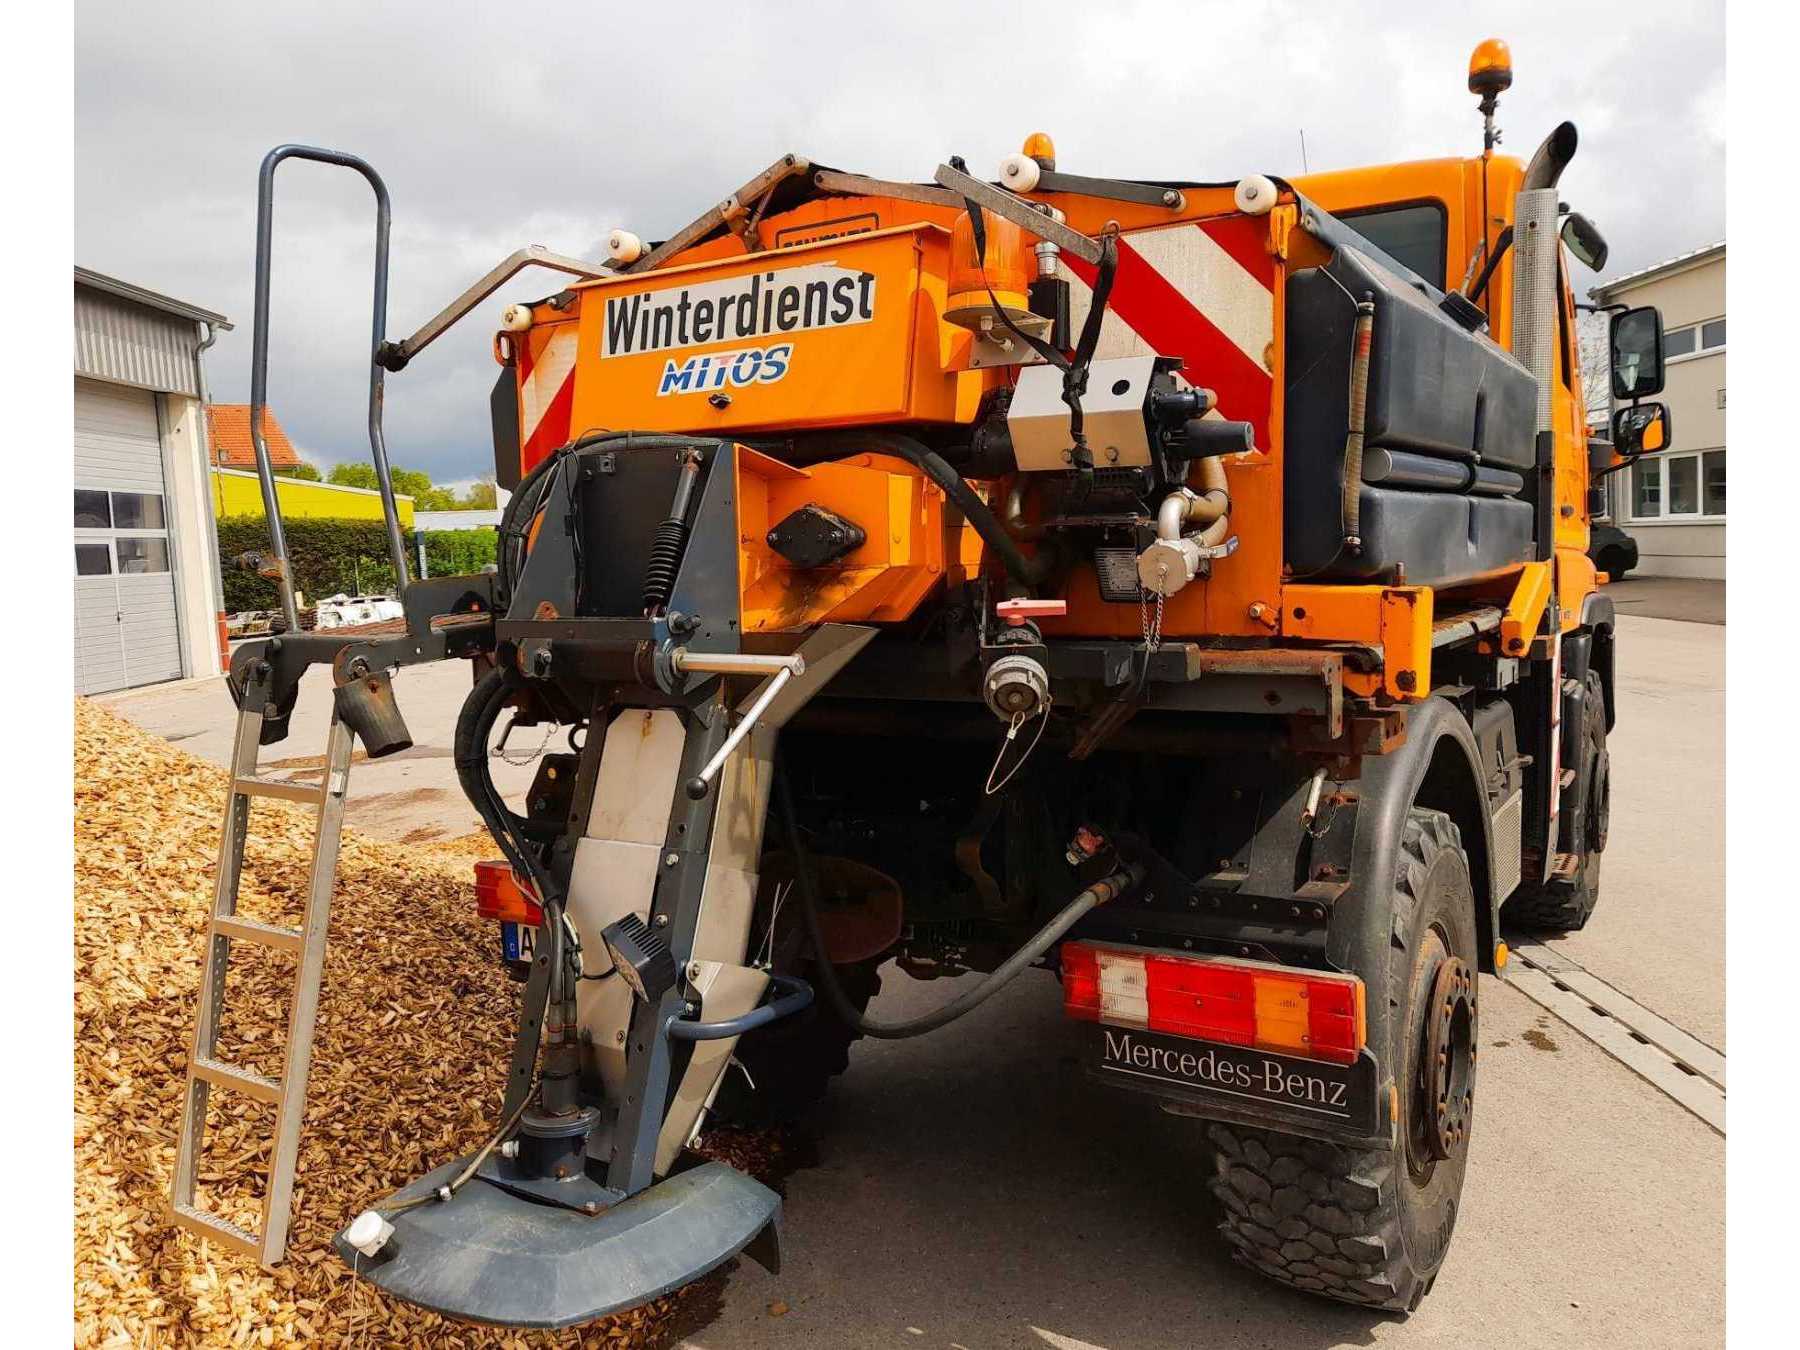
<point x="1344" y="1103"/>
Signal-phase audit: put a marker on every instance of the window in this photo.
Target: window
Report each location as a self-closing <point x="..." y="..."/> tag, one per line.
<point x="93" y="560"/>
<point x="1684" y="486"/>
<point x="142" y="555"/>
<point x="1712" y="483"/>
<point x="1646" y="488"/>
<point x="1413" y="235"/>
<point x="1696" y="339"/>
<point x="137" y="511"/>
<point x="1679" y="487"/>
<point x="92" y="511"/>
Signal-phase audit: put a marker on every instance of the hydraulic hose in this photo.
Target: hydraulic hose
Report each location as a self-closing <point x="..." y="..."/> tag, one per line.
<point x="1030" y="571"/>
<point x="470" y="750"/>
<point x="1110" y="888"/>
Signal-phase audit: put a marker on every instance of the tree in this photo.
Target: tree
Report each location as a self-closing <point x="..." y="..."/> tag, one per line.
<point x="353" y="473"/>
<point x="481" y="496"/>
<point x="303" y="470"/>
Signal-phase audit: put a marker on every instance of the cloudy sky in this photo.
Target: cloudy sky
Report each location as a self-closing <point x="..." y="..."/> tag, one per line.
<point x="497" y="126"/>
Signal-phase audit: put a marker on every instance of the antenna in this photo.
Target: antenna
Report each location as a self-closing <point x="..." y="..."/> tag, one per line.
<point x="1304" y="166"/>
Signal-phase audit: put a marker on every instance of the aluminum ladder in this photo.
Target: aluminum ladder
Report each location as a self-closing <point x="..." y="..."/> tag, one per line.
<point x="205" y="1071"/>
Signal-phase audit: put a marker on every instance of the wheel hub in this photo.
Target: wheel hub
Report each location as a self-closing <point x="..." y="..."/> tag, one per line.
<point x="1449" y="1058"/>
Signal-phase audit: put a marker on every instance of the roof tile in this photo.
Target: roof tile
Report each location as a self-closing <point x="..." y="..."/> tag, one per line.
<point x="228" y="430"/>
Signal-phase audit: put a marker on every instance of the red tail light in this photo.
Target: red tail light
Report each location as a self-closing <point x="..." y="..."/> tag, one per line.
<point x="498" y="895"/>
<point x="1316" y="1014"/>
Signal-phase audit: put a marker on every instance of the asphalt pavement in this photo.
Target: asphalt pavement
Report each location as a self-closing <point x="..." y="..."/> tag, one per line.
<point x="975" y="1189"/>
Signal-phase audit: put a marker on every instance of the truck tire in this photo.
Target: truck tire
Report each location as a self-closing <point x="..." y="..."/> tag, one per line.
<point x="1564" y="906"/>
<point x="1372" y="1226"/>
<point x="782" y="1070"/>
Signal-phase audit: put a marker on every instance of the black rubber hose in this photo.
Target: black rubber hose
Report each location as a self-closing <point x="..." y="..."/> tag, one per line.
<point x="1092" y="896"/>
<point x="1030" y="571"/>
<point x="470" y="752"/>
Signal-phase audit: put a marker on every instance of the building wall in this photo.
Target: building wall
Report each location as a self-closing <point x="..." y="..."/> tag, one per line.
<point x="239" y="493"/>
<point x="198" y="590"/>
<point x="1670" y="545"/>
<point x="122" y="342"/>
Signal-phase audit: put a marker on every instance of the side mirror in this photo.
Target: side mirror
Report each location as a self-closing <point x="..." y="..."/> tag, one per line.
<point x="1641" y="430"/>
<point x="1584" y="240"/>
<point x="1637" y="353"/>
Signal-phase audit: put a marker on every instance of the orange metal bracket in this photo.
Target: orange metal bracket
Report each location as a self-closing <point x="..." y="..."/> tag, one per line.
<point x="1526" y="608"/>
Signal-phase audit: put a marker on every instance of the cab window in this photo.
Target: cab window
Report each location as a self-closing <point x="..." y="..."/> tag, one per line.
<point x="1413" y="234"/>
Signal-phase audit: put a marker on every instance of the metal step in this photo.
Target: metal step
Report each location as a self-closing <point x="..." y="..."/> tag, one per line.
<point x="196" y="1220"/>
<point x="250" y="930"/>
<point x="244" y="1080"/>
<point x="284" y="788"/>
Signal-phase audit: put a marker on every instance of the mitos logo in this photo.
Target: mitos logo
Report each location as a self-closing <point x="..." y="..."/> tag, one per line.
<point x="715" y="370"/>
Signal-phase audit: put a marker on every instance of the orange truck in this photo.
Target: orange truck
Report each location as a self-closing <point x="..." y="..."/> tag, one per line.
<point x="1176" y="587"/>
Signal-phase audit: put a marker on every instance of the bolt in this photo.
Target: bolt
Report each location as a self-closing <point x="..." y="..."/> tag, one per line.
<point x="619" y="1037"/>
<point x="670" y="859"/>
<point x="1171" y="198"/>
<point x="662" y="920"/>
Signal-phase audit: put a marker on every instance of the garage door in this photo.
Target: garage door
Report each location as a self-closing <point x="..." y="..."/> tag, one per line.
<point x="125" y="625"/>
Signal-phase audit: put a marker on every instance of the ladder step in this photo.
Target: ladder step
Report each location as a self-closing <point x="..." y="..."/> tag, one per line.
<point x="224" y="1231"/>
<point x="286" y="789"/>
<point x="268" y="934"/>
<point x="224" y="1075"/>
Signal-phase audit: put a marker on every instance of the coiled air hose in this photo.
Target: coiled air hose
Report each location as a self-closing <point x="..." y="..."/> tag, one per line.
<point x="1353" y="442"/>
<point x="1110" y="888"/>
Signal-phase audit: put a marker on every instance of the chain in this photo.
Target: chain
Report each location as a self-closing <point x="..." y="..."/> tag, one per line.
<point x="1152" y="626"/>
<point x="500" y="749"/>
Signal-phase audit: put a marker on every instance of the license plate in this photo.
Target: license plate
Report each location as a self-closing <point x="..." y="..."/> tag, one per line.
<point x="518" y="941"/>
<point x="1335" y="1095"/>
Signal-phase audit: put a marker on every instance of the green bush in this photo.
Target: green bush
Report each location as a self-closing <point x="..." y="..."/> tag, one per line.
<point x="329" y="556"/>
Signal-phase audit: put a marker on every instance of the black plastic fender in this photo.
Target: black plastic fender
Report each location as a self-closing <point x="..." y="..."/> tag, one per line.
<point x="1361" y="930"/>
<point x="1600" y="615"/>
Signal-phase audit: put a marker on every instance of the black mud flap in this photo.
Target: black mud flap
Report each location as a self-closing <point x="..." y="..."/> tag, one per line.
<point x="1309" y="1097"/>
<point x="487" y="1255"/>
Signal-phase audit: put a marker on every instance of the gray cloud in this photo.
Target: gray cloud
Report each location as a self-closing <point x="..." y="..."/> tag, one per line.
<point x="497" y="126"/>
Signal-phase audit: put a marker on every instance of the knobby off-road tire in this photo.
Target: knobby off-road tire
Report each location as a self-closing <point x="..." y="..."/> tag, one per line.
<point x="1370" y="1226"/>
<point x="792" y="1061"/>
<point x="1565" y="906"/>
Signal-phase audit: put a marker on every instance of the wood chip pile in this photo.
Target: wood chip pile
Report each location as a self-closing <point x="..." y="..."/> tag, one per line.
<point x="414" y="1031"/>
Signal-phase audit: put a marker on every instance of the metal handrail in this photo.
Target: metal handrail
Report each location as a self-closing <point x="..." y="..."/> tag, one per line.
<point x="259" y="364"/>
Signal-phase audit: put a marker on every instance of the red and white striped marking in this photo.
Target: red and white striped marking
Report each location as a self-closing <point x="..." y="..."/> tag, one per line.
<point x="1201" y="291"/>
<point x="546" y="391"/>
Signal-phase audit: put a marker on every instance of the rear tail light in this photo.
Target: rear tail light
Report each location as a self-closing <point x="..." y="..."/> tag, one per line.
<point x="1269" y="1007"/>
<point x="498" y="895"/>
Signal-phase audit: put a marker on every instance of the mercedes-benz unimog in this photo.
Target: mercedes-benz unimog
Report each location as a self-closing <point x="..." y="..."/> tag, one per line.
<point x="1174" y="589"/>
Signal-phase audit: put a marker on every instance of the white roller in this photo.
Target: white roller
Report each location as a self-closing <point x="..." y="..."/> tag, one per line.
<point x="622" y="246"/>
<point x="1254" y="195"/>
<point x="1019" y="173"/>
<point x="515" y="318"/>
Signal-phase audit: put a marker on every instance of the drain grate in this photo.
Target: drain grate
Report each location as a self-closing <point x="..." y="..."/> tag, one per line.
<point x="1671" y="1060"/>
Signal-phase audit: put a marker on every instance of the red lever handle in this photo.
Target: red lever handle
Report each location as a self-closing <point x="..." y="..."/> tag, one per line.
<point x="1016" y="612"/>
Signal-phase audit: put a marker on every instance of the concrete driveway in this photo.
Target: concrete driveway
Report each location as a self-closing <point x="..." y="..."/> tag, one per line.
<point x="411" y="796"/>
<point x="974" y="1189"/>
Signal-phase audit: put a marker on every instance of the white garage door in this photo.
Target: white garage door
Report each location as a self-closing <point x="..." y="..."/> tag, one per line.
<point x="125" y="625"/>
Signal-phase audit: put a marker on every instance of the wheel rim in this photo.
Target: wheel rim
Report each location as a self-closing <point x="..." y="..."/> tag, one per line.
<point x="1450" y="1057"/>
<point x="1443" y="1096"/>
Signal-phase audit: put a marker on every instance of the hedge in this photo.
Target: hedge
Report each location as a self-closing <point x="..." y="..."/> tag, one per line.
<point x="329" y="556"/>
